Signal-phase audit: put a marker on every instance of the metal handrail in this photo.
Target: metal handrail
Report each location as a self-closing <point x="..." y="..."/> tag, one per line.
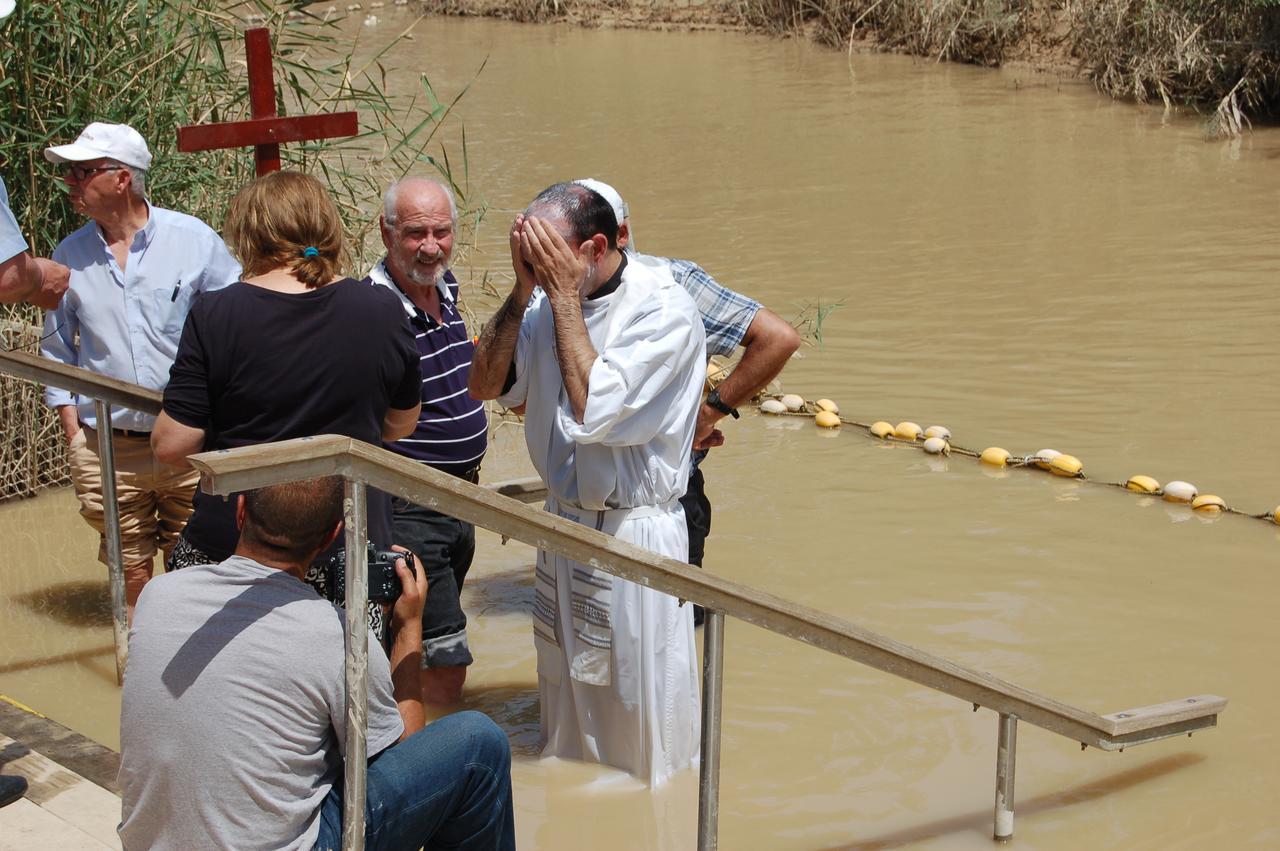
<point x="105" y="392"/>
<point x="227" y="471"/>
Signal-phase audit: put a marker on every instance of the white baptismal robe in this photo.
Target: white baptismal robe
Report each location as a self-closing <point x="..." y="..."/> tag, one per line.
<point x="617" y="668"/>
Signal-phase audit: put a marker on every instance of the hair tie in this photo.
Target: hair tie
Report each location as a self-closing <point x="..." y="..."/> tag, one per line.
<point x="311" y="251"/>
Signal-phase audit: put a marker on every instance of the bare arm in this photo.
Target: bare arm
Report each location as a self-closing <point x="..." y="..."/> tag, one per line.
<point x="406" y="647"/>
<point x="172" y="442"/>
<point x="400" y="422"/>
<point x="69" y="416"/>
<point x="496" y="348"/>
<point x="574" y="351"/>
<point x="768" y="343"/>
<point x="35" y="279"/>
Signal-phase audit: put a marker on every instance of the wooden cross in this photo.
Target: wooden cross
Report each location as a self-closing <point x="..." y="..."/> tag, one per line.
<point x="265" y="130"/>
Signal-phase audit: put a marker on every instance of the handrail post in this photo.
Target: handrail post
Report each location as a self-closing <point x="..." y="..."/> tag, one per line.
<point x="1006" y="759"/>
<point x="355" y="759"/>
<point x="709" y="769"/>
<point x="115" y="549"/>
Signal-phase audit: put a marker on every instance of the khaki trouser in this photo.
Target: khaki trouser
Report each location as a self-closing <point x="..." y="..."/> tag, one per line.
<point x="154" y="498"/>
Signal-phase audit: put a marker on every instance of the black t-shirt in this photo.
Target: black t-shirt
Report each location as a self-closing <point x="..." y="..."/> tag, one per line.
<point x="256" y="366"/>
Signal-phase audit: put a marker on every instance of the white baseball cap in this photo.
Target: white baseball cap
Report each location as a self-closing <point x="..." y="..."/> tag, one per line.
<point x="118" y="142"/>
<point x="6" y="8"/>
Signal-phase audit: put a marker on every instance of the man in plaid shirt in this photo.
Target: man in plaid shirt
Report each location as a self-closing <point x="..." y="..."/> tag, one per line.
<point x="730" y="320"/>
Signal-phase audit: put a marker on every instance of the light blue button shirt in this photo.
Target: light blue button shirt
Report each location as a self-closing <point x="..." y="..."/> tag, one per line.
<point x="11" y="242"/>
<point x="128" y="322"/>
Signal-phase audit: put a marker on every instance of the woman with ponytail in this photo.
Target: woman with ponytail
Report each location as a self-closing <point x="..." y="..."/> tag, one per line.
<point x="293" y="350"/>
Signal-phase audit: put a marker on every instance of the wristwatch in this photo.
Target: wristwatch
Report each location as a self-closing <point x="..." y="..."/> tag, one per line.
<point x="714" y="400"/>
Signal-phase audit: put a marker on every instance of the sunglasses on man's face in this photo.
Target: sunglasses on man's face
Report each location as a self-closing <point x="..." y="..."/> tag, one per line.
<point x="79" y="173"/>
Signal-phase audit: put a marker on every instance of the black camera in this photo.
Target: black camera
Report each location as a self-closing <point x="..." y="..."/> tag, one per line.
<point x="384" y="584"/>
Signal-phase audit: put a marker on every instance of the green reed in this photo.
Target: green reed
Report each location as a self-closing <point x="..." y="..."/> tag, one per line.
<point x="160" y="64"/>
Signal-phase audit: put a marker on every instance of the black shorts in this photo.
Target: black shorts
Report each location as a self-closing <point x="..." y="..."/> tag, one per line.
<point x="445" y="547"/>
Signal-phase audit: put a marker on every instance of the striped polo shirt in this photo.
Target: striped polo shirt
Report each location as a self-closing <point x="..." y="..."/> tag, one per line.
<point x="452" y="432"/>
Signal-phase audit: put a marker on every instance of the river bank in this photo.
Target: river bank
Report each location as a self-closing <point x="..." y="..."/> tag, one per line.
<point x="1219" y="58"/>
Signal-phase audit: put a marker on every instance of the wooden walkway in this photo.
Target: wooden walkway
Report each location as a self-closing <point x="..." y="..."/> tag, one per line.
<point x="63" y="808"/>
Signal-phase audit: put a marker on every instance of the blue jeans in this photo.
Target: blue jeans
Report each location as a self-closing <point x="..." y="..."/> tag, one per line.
<point x="446" y="786"/>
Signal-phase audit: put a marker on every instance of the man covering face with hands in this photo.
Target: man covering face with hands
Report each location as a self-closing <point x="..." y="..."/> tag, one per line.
<point x="606" y="353"/>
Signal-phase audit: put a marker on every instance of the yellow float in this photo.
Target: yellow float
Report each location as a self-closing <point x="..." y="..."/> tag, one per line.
<point x="882" y="429"/>
<point x="995" y="456"/>
<point x="1208" y="503"/>
<point x="1179" y="492"/>
<point x="938" y="431"/>
<point x="826" y="419"/>
<point x="1066" y="465"/>
<point x="1142" y="484"/>
<point x="827" y="405"/>
<point x="907" y="431"/>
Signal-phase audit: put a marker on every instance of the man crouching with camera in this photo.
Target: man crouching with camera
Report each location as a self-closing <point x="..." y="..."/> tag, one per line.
<point x="232" y="723"/>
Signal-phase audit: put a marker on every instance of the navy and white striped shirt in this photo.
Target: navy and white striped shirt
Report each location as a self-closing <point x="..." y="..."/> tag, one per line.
<point x="452" y="433"/>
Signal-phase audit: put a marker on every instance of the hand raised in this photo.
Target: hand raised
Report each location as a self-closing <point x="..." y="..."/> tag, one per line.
<point x="524" y="272"/>
<point x="558" y="269"/>
<point x="413" y="593"/>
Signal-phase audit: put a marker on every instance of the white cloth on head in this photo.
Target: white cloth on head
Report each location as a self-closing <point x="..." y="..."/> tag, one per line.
<point x="617" y="669"/>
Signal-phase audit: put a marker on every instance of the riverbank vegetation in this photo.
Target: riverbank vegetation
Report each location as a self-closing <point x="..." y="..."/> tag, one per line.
<point x="160" y="64"/>
<point x="1218" y="56"/>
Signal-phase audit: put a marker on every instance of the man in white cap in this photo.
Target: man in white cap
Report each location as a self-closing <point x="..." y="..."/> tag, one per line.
<point x="135" y="269"/>
<point x="730" y="320"/>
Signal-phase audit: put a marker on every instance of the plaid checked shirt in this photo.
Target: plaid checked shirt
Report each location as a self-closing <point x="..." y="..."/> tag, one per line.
<point x="725" y="314"/>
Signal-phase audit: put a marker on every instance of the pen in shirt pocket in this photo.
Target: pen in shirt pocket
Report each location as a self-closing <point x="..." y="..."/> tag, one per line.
<point x="176" y="289"/>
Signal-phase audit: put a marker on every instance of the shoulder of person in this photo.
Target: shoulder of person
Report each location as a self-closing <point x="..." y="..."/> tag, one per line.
<point x="173" y="221"/>
<point x="368" y="291"/>
<point x="80" y="240"/>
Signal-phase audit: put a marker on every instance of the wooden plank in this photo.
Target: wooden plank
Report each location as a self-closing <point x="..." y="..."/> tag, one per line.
<point x="89" y="384"/>
<point x="1145" y="717"/>
<point x="262" y="94"/>
<point x="61" y="744"/>
<point x="255" y="466"/>
<point x="267" y="131"/>
<point x="63" y="793"/>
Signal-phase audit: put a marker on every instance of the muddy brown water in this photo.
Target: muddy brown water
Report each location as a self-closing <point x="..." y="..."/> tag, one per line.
<point x="1015" y="257"/>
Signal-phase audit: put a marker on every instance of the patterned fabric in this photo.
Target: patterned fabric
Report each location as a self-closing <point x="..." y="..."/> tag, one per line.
<point x="453" y="429"/>
<point x="186" y="554"/>
<point x="725" y="313"/>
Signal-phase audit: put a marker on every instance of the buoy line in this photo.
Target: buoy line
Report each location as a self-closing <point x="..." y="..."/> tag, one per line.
<point x="936" y="440"/>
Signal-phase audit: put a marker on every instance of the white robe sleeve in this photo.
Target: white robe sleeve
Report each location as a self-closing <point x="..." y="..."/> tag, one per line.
<point x="519" y="392"/>
<point x="639" y="378"/>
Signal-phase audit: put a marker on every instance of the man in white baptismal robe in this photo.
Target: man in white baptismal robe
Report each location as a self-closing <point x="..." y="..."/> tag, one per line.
<point x="607" y="356"/>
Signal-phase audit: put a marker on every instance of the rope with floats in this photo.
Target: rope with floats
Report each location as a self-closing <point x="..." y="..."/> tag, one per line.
<point x="936" y="440"/>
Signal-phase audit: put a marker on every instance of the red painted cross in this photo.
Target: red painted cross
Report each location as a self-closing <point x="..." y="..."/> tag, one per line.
<point x="265" y="130"/>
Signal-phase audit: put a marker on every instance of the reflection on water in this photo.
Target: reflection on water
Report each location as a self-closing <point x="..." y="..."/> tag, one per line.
<point x="1032" y="266"/>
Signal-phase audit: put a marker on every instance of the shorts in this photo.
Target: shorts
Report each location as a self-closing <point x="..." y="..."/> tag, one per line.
<point x="154" y="498"/>
<point x="444" y="547"/>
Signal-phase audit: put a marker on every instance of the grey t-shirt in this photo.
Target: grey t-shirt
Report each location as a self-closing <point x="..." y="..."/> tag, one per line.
<point x="231" y="726"/>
